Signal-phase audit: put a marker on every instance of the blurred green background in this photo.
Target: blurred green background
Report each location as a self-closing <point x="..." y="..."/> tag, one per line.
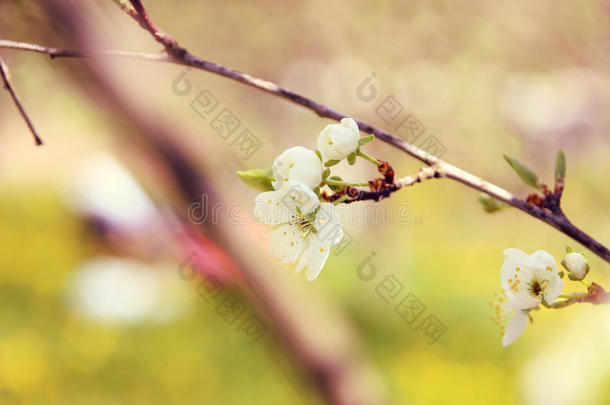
<point x="484" y="78"/>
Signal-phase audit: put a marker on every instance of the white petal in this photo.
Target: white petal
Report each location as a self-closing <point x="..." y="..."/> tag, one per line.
<point x="516" y="254"/>
<point x="522" y="300"/>
<point x="552" y="291"/>
<point x="514" y="327"/>
<point x="304" y="259"/>
<point x="297" y="195"/>
<point x="328" y="224"/>
<point x="309" y="173"/>
<point x="542" y="260"/>
<point x="280" y="206"/>
<point x="287" y="243"/>
<point x="270" y="208"/>
<point x="350" y="123"/>
<point x="317" y="255"/>
<point x="515" y="259"/>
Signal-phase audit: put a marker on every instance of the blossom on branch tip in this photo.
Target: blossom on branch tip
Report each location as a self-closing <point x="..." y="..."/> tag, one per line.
<point x="299" y="164"/>
<point x="304" y="229"/>
<point x="530" y="279"/>
<point x="527" y="280"/>
<point x="337" y="141"/>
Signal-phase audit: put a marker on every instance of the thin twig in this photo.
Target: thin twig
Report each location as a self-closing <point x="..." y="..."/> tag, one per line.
<point x="381" y="187"/>
<point x="67" y="53"/>
<point x="595" y="295"/>
<point x="178" y="55"/>
<point x="6" y="78"/>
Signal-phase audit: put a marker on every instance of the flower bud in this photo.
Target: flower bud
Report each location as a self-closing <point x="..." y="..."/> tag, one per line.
<point x="338" y="141"/>
<point x="576" y="264"/>
<point x="297" y="163"/>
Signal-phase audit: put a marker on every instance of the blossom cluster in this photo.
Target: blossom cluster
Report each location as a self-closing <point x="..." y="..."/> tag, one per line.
<point x="305" y="227"/>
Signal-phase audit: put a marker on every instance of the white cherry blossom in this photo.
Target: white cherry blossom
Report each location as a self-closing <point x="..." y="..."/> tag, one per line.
<point x="530" y="279"/>
<point x="304" y="229"/>
<point x="527" y="280"/>
<point x="297" y="163"/>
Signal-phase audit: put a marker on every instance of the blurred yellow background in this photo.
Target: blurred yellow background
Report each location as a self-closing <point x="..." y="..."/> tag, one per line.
<point x="484" y="78"/>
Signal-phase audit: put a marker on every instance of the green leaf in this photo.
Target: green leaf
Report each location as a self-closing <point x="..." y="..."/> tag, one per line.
<point x="366" y="139"/>
<point x="351" y="158"/>
<point x="258" y="179"/>
<point x="330" y="163"/>
<point x="560" y="166"/>
<point x="525" y="173"/>
<point x="491" y="204"/>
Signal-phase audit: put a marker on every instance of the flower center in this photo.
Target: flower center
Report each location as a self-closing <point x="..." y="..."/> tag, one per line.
<point x="537" y="287"/>
<point x="305" y="225"/>
<point x="305" y="221"/>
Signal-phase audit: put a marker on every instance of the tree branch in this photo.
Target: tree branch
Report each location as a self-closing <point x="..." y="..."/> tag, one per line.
<point x="178" y="55"/>
<point x="6" y="78"/>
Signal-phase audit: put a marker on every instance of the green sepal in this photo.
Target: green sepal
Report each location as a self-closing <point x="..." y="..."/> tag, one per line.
<point x="366" y="139"/>
<point x="351" y="158"/>
<point x="330" y="163"/>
